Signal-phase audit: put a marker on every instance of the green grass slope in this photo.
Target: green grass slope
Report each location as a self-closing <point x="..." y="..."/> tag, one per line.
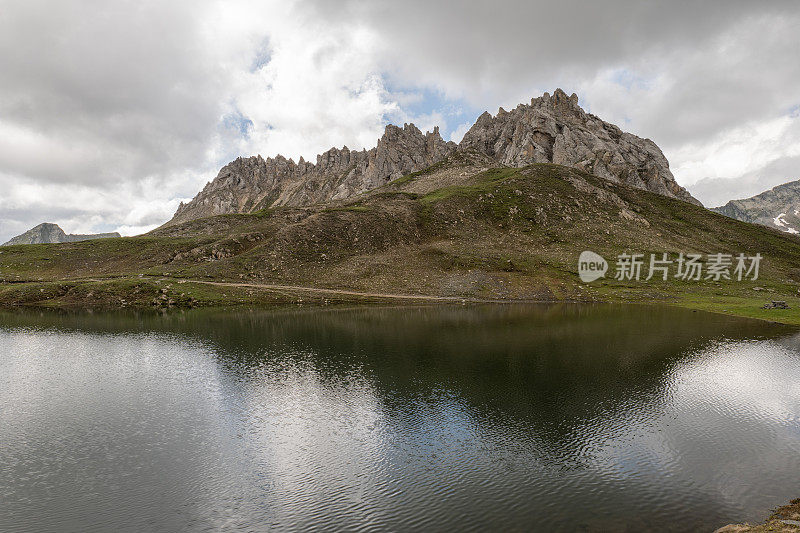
<point x="459" y="230"/>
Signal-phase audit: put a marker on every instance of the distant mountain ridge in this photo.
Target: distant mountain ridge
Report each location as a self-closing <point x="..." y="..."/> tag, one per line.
<point x="552" y="129"/>
<point x="777" y="208"/>
<point x="51" y="233"/>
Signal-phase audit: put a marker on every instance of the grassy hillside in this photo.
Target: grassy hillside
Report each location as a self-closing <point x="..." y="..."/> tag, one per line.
<point x="457" y="230"/>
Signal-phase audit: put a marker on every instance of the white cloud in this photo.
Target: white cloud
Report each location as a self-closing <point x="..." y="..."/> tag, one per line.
<point x="318" y="87"/>
<point x="739" y="151"/>
<point x="114" y="112"/>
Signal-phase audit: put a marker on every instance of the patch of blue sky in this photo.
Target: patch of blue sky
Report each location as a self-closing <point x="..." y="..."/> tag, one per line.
<point x="262" y="56"/>
<point x="236" y="122"/>
<point x="630" y="79"/>
<point x="233" y="127"/>
<point x="427" y="102"/>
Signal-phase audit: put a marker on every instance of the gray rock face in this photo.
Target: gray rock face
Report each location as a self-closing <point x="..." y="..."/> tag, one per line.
<point x="51" y="233"/>
<point x="777" y="208"/>
<point x="254" y="183"/>
<point x="553" y="129"/>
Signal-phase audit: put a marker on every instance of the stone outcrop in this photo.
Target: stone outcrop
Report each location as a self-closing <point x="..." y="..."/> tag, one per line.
<point x="777" y="208"/>
<point x="51" y="233"/>
<point x="552" y="129"/>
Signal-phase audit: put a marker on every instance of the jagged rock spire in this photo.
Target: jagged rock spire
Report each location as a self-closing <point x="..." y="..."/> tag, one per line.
<point x="249" y="184"/>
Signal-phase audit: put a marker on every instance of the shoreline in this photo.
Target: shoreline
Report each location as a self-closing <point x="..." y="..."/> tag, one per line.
<point x="162" y="293"/>
<point x="785" y="519"/>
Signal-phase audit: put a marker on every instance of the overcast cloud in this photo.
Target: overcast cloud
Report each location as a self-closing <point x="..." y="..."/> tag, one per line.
<point x="113" y="112"/>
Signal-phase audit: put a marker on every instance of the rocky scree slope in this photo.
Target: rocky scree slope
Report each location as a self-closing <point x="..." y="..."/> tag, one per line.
<point x="777" y="208"/>
<point x="51" y="233"/>
<point x="552" y="129"/>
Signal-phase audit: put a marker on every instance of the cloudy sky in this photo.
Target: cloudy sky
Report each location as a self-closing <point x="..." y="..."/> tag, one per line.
<point x="112" y="112"/>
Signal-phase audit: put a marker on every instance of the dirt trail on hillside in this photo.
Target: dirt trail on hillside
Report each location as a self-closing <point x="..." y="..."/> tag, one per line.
<point x="343" y="292"/>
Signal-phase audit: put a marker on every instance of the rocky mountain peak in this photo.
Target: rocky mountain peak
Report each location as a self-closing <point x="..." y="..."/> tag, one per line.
<point x="555" y="129"/>
<point x="552" y="129"/>
<point x="47" y="233"/>
<point x="777" y="208"/>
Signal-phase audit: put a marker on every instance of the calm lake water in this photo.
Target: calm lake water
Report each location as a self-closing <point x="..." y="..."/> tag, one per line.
<point x="564" y="418"/>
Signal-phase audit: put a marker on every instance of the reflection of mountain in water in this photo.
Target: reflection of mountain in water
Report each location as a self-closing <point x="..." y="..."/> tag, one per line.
<point x="543" y="363"/>
<point x="562" y="418"/>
